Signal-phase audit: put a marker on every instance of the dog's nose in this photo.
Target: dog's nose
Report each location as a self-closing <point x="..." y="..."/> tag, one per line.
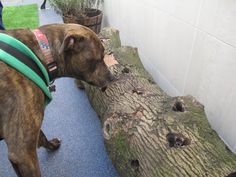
<point x="111" y="78"/>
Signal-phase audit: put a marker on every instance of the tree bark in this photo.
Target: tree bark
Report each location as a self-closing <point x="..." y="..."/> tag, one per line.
<point x="149" y="133"/>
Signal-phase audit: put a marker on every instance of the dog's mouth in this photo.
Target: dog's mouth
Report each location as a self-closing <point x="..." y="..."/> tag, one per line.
<point x="91" y="83"/>
<point x="109" y="83"/>
<point x="102" y="88"/>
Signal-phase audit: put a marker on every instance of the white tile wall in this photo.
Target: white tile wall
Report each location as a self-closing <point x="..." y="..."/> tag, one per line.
<point x="187" y="10"/>
<point x="189" y="47"/>
<point x="172" y="48"/>
<point x="211" y="79"/>
<point x="218" y="18"/>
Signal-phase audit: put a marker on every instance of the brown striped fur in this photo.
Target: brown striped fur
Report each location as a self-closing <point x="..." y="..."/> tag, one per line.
<point x="79" y="54"/>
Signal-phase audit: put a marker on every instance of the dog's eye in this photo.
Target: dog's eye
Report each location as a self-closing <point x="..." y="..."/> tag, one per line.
<point x="93" y="64"/>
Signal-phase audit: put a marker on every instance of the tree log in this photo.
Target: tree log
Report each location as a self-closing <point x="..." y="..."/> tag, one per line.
<point x="149" y="133"/>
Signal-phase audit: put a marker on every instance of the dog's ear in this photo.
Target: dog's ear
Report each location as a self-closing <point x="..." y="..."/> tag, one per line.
<point x="70" y="42"/>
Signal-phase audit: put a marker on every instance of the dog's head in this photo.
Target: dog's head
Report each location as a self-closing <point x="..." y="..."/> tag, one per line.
<point x="83" y="55"/>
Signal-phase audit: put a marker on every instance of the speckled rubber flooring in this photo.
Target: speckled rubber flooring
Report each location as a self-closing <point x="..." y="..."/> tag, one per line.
<point x="71" y="118"/>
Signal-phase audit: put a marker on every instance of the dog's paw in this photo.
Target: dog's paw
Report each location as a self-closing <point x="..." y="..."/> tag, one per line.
<point x="54" y="144"/>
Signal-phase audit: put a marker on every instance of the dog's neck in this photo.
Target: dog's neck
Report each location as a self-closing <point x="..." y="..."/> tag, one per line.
<point x="55" y="41"/>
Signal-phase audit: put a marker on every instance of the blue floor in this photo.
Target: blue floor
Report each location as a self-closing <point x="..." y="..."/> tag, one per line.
<point x="71" y="118"/>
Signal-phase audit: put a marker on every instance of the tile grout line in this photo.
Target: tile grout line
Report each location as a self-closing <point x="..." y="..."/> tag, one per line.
<point x="192" y="25"/>
<point x="192" y="48"/>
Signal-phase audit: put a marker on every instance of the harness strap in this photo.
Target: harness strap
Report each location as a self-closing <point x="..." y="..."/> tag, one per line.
<point x="24" y="49"/>
<point x="23" y="58"/>
<point x="14" y="62"/>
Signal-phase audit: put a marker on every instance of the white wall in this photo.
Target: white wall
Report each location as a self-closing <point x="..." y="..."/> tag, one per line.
<point x="189" y="47"/>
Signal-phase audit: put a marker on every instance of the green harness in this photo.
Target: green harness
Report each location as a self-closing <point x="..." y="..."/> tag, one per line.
<point x="24" y="69"/>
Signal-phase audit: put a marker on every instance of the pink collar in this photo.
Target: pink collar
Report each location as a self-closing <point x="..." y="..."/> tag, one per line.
<point x="45" y="48"/>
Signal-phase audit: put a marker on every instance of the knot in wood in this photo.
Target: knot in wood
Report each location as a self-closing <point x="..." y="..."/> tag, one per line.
<point x="107" y="130"/>
<point x="177" y="140"/>
<point x="125" y="70"/>
<point x="178" y="107"/>
<point x="138" y="91"/>
<point x="134" y="164"/>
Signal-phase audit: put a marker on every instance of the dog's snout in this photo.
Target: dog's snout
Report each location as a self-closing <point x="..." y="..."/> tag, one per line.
<point x="111" y="78"/>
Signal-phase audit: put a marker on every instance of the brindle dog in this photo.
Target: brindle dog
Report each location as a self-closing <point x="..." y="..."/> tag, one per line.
<point x="79" y="54"/>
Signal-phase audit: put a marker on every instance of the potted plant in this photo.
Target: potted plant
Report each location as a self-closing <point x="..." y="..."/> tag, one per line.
<point x="84" y="12"/>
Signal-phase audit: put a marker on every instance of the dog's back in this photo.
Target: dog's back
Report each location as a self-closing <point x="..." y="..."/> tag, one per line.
<point x="16" y="93"/>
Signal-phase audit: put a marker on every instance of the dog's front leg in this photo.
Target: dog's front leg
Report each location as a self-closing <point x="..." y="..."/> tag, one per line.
<point x="50" y="145"/>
